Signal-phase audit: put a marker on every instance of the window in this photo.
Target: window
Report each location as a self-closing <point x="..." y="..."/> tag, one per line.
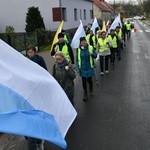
<point x="80" y="14"/>
<point x="64" y="14"/>
<point x="56" y="14"/>
<point x="91" y="14"/>
<point x="75" y="14"/>
<point x="59" y="14"/>
<point x="84" y="12"/>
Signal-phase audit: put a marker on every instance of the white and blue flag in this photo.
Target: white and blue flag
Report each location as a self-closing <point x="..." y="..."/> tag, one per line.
<point x="32" y="103"/>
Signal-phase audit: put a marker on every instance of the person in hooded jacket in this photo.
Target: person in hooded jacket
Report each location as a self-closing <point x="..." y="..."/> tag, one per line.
<point x="64" y="73"/>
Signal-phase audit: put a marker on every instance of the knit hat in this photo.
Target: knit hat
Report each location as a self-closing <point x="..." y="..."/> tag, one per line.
<point x="60" y="35"/>
<point x="82" y="39"/>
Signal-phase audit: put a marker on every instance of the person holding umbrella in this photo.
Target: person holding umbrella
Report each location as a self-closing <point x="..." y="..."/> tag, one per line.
<point x="85" y="65"/>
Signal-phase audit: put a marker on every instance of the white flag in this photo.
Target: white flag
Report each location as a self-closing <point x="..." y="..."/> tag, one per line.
<point x="94" y="25"/>
<point x="116" y="22"/>
<point x="79" y="33"/>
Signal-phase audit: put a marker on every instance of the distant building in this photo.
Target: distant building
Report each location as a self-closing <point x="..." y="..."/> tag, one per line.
<point x="13" y="13"/>
<point x="103" y="11"/>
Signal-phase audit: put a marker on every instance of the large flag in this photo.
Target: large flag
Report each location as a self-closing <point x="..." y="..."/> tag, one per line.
<point x="56" y="34"/>
<point x="104" y="26"/>
<point x="79" y="33"/>
<point x="32" y="103"/>
<point x="94" y="25"/>
<point x="116" y="22"/>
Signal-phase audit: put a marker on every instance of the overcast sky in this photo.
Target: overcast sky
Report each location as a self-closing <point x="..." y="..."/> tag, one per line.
<point x="112" y="1"/>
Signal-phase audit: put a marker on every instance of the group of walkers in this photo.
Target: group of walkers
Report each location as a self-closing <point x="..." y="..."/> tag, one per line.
<point x="106" y="47"/>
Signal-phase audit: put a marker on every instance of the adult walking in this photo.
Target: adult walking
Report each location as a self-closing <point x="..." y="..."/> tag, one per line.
<point x="119" y="49"/>
<point x="64" y="47"/>
<point x="104" y="52"/>
<point x="85" y="65"/>
<point x="64" y="73"/>
<point x="128" y="28"/>
<point x="33" y="143"/>
<point x="113" y="39"/>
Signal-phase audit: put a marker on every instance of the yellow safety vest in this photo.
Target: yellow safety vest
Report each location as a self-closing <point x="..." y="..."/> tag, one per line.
<point x="65" y="52"/>
<point x="88" y="38"/>
<point x="128" y="26"/>
<point x="65" y="38"/>
<point x="103" y="44"/>
<point x="90" y="49"/>
<point x="93" y="39"/>
<point x="113" y="41"/>
<point x="119" y="34"/>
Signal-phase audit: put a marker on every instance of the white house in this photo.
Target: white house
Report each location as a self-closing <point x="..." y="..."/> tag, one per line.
<point x="13" y="13"/>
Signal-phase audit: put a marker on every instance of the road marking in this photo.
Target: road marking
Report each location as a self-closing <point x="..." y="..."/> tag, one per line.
<point x="147" y="30"/>
<point x="140" y="31"/>
<point x="146" y="56"/>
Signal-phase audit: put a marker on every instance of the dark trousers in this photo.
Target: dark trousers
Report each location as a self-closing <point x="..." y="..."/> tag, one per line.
<point x="102" y="63"/>
<point x="32" y="143"/>
<point x="128" y="33"/>
<point x="113" y="55"/>
<point x="84" y="82"/>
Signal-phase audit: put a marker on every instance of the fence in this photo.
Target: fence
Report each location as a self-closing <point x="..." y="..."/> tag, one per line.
<point x="20" y="41"/>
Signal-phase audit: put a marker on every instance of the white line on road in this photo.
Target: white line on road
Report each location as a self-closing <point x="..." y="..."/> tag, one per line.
<point x="146" y="56"/>
<point x="147" y="30"/>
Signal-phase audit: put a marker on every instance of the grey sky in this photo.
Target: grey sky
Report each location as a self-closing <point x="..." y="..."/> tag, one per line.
<point x="112" y="1"/>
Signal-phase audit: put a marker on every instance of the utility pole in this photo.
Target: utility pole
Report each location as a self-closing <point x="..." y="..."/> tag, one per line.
<point x="60" y="5"/>
<point x="114" y="6"/>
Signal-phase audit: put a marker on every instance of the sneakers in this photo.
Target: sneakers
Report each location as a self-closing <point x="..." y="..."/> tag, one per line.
<point x="102" y="73"/>
<point x="106" y="71"/>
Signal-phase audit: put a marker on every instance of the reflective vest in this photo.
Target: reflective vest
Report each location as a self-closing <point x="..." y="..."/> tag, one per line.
<point x="88" y="38"/>
<point x="113" y="40"/>
<point x="94" y="40"/>
<point x="103" y="44"/>
<point x="119" y="34"/>
<point x="65" y="52"/>
<point x="128" y="26"/>
<point x="90" y="49"/>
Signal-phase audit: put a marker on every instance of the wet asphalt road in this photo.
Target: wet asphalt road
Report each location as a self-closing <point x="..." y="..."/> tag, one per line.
<point x="117" y="114"/>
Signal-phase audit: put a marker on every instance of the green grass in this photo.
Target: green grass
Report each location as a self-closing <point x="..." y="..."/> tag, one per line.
<point x="45" y="48"/>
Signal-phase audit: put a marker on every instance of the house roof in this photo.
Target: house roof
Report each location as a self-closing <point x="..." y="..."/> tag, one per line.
<point x="102" y="5"/>
<point x="108" y="5"/>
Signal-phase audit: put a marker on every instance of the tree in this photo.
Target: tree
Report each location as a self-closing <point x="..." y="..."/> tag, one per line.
<point x="34" y="20"/>
<point x="146" y="5"/>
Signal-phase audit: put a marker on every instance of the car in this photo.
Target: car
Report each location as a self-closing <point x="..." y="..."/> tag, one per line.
<point x="137" y="17"/>
<point x="131" y="20"/>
